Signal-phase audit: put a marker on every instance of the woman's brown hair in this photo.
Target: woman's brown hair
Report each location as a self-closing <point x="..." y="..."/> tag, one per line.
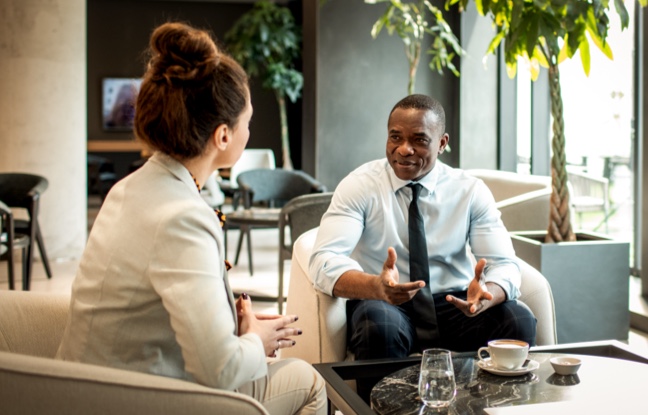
<point x="190" y="88"/>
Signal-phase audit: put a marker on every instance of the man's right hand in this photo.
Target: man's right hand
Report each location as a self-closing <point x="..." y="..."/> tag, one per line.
<point x="391" y="291"/>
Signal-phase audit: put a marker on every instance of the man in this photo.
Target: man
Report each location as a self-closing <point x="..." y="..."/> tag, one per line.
<point x="416" y="299"/>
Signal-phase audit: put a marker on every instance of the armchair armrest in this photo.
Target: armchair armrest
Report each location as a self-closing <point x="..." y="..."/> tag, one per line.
<point x="322" y="317"/>
<point x="536" y="293"/>
<point x="37" y="385"/>
<point x="526" y="212"/>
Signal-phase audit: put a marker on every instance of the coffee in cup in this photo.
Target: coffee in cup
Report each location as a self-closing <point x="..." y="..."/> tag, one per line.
<point x="505" y="354"/>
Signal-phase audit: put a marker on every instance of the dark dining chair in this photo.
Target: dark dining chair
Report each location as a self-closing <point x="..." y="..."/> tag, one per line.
<point x="24" y="190"/>
<point x="264" y="192"/>
<point x="9" y="241"/>
<point x="299" y="215"/>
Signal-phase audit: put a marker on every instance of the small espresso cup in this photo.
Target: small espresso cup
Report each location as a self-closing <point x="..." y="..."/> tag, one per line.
<point x="505" y="354"/>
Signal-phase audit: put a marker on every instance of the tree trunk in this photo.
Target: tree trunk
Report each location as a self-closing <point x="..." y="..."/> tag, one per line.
<point x="560" y="229"/>
<point x="413" y="59"/>
<point x="285" y="142"/>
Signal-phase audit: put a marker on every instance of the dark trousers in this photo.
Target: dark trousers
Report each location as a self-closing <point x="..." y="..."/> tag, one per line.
<point x="377" y="329"/>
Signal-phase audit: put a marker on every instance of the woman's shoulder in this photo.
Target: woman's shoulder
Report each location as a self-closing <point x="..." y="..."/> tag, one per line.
<point x="156" y="193"/>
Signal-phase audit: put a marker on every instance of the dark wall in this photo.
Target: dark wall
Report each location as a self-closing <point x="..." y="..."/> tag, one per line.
<point x="359" y="80"/>
<point x="118" y="35"/>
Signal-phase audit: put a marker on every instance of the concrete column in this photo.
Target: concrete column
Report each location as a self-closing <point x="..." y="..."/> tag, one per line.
<point x="43" y="111"/>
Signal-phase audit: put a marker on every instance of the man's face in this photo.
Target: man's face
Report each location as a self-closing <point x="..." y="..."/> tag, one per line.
<point x="414" y="142"/>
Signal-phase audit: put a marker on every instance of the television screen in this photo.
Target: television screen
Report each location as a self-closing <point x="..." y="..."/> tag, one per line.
<point x="118" y="103"/>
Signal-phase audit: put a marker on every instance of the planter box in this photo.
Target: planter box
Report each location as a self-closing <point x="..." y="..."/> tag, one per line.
<point x="589" y="280"/>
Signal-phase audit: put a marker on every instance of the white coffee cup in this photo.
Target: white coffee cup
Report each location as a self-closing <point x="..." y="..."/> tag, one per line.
<point x="505" y="354"/>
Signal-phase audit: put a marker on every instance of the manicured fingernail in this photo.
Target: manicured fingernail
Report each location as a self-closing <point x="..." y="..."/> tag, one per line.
<point x="245" y="296"/>
<point x="293" y="343"/>
<point x="296" y="318"/>
<point x="299" y="332"/>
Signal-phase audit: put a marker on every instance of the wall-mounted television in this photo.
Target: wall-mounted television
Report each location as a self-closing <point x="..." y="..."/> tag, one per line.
<point x="118" y="103"/>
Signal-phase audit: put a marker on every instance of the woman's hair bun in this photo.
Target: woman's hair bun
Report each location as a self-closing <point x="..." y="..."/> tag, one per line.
<point x="182" y="54"/>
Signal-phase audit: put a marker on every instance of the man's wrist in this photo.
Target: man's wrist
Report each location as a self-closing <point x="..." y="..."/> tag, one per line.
<point x="499" y="294"/>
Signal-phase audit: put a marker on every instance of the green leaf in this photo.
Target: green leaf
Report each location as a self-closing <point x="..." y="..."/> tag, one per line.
<point x="574" y="40"/>
<point x="534" y="68"/>
<point x="264" y="40"/>
<point x="511" y="69"/>
<point x="585" y="56"/>
<point x="480" y="7"/>
<point x="623" y="13"/>
<point x="540" y="57"/>
<point x="377" y="27"/>
<point x="411" y="21"/>
<point x="603" y="47"/>
<point x="532" y="34"/>
<point x="563" y="54"/>
<point x="495" y="42"/>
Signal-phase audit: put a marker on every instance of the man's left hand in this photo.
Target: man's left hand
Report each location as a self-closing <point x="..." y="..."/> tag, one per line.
<point x="478" y="299"/>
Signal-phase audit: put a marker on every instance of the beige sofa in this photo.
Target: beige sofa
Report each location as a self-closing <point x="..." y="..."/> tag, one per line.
<point x="522" y="199"/>
<point x="32" y="382"/>
<point x="323" y="317"/>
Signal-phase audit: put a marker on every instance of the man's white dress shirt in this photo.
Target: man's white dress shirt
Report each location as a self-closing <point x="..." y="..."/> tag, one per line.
<point x="369" y="213"/>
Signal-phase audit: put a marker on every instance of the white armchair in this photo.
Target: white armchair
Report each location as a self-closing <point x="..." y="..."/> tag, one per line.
<point x="33" y="382"/>
<point x="323" y="318"/>
<point x="589" y="193"/>
<point x="522" y="199"/>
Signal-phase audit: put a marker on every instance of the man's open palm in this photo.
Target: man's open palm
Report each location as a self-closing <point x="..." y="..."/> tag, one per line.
<point x="477" y="296"/>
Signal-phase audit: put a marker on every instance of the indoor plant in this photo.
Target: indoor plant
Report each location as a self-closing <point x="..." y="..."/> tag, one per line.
<point x="545" y="33"/>
<point x="589" y="274"/>
<point x="409" y="20"/>
<point x="266" y="42"/>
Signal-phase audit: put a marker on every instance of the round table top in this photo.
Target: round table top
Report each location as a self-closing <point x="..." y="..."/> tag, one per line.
<point x="599" y="379"/>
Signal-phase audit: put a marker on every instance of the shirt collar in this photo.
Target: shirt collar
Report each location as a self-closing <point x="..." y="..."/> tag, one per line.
<point x="175" y="167"/>
<point x="429" y="181"/>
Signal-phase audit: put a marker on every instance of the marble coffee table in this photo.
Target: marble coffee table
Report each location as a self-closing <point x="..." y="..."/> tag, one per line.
<point x="610" y="371"/>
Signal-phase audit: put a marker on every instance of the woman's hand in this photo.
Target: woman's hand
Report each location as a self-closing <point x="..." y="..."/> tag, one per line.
<point x="272" y="329"/>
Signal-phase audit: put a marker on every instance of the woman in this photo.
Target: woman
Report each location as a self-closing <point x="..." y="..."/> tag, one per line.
<point x="151" y="293"/>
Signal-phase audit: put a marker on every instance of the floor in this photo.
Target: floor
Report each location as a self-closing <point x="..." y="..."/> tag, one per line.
<point x="265" y="279"/>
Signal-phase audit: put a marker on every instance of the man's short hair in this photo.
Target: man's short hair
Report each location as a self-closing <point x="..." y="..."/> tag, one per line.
<point x="422" y="102"/>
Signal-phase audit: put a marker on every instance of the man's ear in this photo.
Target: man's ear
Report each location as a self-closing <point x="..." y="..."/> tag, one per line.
<point x="222" y="137"/>
<point x="444" y="142"/>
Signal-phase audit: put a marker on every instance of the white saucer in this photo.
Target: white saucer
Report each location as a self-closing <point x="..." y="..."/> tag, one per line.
<point x="488" y="366"/>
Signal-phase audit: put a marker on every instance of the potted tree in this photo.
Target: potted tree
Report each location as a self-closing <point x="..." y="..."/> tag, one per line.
<point x="588" y="273"/>
<point x="410" y="21"/>
<point x="266" y="42"/>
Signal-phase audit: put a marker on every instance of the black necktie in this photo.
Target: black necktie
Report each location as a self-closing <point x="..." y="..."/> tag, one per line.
<point x="423" y="313"/>
<point x="419" y="266"/>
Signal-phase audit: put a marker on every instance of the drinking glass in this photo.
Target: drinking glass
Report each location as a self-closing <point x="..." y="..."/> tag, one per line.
<point x="437" y="387"/>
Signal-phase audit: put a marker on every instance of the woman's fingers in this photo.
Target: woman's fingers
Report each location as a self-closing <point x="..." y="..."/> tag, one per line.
<point x="287" y="332"/>
<point x="287" y="319"/>
<point x="243" y="304"/>
<point x="284" y="343"/>
<point x="281" y="344"/>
